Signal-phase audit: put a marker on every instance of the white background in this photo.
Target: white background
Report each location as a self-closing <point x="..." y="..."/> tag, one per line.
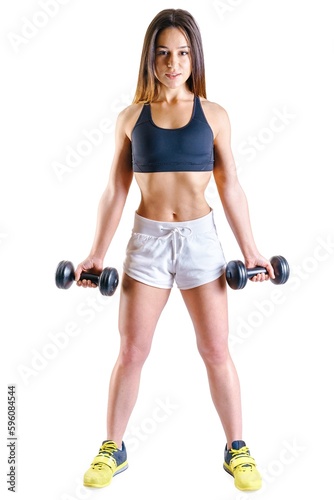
<point x="263" y="58"/>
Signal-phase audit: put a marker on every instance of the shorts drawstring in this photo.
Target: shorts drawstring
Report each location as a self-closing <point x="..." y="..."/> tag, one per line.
<point x="182" y="231"/>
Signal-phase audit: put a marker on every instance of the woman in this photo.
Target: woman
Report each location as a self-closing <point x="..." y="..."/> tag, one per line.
<point x="171" y="139"/>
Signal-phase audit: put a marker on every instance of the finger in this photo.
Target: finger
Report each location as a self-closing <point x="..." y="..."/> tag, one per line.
<point x="77" y="274"/>
<point x="86" y="284"/>
<point x="258" y="278"/>
<point x="271" y="273"/>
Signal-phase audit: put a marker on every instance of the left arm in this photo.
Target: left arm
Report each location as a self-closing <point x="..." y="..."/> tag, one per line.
<point x="233" y="198"/>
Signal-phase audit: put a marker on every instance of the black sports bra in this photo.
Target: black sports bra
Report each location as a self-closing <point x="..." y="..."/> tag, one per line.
<point x="186" y="149"/>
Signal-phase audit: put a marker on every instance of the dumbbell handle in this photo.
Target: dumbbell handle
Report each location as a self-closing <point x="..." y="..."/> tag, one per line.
<point x="94" y="278"/>
<point x="256" y="270"/>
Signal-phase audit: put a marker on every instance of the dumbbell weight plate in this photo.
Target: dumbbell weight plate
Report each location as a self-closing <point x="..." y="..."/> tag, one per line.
<point x="108" y="281"/>
<point x="281" y="269"/>
<point x="236" y="274"/>
<point x="64" y="274"/>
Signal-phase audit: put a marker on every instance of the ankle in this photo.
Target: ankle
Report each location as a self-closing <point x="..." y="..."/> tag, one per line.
<point x="118" y="443"/>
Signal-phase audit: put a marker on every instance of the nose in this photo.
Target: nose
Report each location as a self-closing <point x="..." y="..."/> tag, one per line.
<point x="172" y="61"/>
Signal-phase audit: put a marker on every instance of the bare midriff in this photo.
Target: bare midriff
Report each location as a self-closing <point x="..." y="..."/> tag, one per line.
<point x="173" y="196"/>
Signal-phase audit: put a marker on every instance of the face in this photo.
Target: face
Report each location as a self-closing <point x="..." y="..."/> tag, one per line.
<point x="172" y="58"/>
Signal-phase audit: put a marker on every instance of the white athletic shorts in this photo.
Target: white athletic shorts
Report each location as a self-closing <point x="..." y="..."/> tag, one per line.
<point x="188" y="252"/>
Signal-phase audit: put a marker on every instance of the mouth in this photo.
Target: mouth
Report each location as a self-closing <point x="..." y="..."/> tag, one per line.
<point x="173" y="76"/>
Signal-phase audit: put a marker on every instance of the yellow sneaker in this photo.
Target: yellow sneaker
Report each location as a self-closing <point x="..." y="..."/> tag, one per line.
<point x="109" y="462"/>
<point x="242" y="467"/>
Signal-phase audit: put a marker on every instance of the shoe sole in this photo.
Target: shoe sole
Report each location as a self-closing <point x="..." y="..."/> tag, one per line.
<point x="117" y="471"/>
<point x="225" y="467"/>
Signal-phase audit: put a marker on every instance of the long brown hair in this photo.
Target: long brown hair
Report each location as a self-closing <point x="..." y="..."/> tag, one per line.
<point x="147" y="85"/>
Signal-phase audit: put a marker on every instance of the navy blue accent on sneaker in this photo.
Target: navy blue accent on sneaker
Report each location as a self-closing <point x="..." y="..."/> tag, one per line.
<point x="119" y="455"/>
<point x="236" y="445"/>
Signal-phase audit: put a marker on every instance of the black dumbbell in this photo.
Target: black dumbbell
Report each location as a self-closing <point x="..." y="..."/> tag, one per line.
<point x="107" y="281"/>
<point x="237" y="274"/>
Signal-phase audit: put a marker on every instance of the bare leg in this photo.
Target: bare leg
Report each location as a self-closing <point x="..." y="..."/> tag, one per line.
<point x="140" y="309"/>
<point x="207" y="306"/>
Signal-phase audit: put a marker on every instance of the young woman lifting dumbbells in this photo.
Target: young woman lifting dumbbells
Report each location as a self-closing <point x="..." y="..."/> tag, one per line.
<point x="171" y="140"/>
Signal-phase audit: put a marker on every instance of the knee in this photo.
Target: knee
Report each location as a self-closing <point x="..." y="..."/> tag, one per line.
<point x="214" y="353"/>
<point x="132" y="354"/>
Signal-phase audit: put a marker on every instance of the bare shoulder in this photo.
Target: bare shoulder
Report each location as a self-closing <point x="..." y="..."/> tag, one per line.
<point x="214" y="110"/>
<point x="128" y="116"/>
<point x="216" y="115"/>
<point x="131" y="110"/>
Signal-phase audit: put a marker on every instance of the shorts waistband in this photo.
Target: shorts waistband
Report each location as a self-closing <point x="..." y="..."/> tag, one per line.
<point x="155" y="228"/>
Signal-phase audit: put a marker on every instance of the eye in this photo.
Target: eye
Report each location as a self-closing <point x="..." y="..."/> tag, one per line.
<point x="184" y="53"/>
<point x="162" y="53"/>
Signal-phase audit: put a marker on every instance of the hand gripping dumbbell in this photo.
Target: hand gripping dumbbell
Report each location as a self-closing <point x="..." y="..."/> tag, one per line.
<point x="237" y="274"/>
<point x="107" y="281"/>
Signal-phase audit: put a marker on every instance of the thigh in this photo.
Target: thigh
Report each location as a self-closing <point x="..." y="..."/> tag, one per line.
<point x="140" y="308"/>
<point x="207" y="306"/>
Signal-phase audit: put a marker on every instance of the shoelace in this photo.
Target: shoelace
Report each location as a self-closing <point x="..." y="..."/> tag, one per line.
<point x="243" y="452"/>
<point x="106" y="450"/>
<point x="172" y="232"/>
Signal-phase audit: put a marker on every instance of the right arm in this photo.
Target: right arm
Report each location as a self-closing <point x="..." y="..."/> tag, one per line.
<point x="112" y="202"/>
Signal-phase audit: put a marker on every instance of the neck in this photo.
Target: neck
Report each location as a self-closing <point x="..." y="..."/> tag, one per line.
<point x="174" y="95"/>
